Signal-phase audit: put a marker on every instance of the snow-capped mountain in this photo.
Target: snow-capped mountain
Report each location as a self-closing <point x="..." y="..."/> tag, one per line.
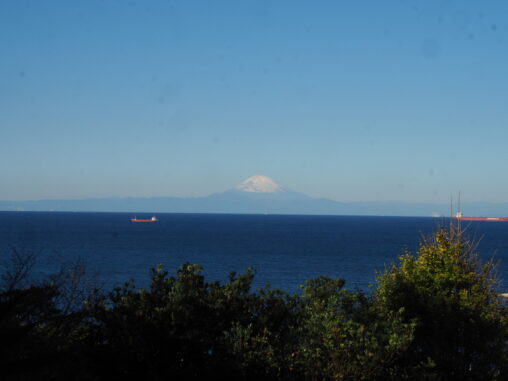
<point x="259" y="184"/>
<point x="257" y="194"/>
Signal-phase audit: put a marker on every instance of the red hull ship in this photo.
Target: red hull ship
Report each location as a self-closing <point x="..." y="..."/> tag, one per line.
<point x="460" y="217"/>
<point x="153" y="219"/>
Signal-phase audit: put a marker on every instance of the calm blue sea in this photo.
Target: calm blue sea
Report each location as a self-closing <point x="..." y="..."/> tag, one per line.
<point x="284" y="250"/>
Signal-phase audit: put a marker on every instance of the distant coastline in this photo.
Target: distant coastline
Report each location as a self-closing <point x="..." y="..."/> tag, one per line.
<point x="253" y="204"/>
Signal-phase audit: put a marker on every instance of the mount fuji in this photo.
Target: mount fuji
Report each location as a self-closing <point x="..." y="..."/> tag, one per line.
<point x="256" y="195"/>
<point x="260" y="194"/>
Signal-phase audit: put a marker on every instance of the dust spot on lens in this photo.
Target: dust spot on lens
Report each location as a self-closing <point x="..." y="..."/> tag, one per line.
<point x="430" y="48"/>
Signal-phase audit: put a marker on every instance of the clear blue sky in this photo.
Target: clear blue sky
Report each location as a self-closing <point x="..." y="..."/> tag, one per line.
<point x="350" y="100"/>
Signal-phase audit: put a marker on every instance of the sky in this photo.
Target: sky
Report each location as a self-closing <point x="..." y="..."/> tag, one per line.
<point x="349" y="100"/>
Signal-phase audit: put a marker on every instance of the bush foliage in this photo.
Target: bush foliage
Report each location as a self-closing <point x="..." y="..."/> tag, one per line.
<point x="434" y="315"/>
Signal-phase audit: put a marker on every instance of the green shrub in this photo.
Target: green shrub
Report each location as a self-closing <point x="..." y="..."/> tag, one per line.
<point x="461" y="326"/>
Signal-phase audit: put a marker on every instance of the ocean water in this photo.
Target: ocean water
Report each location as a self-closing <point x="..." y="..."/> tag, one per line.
<point x="284" y="250"/>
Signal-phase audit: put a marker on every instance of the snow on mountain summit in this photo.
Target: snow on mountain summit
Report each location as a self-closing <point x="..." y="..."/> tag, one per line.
<point x="259" y="184"/>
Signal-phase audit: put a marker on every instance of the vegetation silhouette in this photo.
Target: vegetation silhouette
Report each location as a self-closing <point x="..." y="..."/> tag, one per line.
<point x="434" y="315"/>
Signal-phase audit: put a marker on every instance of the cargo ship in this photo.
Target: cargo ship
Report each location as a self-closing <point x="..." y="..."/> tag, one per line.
<point x="460" y="217"/>
<point x="153" y="219"/>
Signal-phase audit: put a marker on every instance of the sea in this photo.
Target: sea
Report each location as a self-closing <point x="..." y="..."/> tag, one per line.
<point x="284" y="250"/>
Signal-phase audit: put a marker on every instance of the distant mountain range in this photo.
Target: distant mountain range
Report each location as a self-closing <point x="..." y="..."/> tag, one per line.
<point x="256" y="195"/>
